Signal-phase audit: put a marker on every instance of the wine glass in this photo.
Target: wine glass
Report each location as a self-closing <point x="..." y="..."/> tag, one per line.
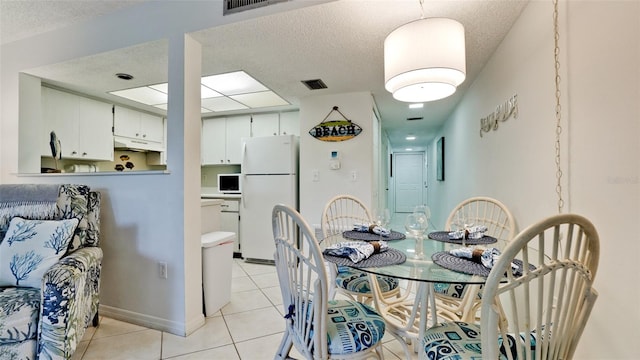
<point x="423" y="209"/>
<point x="382" y="217"/>
<point x="416" y="224"/>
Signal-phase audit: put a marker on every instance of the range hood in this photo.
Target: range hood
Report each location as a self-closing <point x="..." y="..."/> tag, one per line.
<point x="125" y="143"/>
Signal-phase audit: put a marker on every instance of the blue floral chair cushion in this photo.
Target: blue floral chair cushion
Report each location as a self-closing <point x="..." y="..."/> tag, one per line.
<point x="358" y="281"/>
<point x="352" y="326"/>
<point x="31" y="247"/>
<point x="459" y="340"/>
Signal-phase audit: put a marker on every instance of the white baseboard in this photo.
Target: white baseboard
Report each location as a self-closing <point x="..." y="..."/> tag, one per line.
<point x="152" y="322"/>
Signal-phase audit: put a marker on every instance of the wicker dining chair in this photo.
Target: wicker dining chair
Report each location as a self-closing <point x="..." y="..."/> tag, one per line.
<point x="318" y="328"/>
<point x="459" y="301"/>
<point x="339" y="215"/>
<point x="537" y="313"/>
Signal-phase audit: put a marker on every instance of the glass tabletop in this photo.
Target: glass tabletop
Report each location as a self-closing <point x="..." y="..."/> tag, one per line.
<point x="424" y="269"/>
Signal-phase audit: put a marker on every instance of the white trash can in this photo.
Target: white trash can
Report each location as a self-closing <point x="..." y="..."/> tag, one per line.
<point x="217" y="260"/>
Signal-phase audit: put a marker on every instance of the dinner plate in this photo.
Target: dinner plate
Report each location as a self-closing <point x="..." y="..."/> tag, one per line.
<point x="444" y="237"/>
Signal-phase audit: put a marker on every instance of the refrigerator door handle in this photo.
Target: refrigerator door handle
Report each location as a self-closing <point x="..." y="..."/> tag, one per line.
<point x="244" y="175"/>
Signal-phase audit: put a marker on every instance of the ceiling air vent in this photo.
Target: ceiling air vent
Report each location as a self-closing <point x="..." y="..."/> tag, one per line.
<point x="415" y="118"/>
<point x="234" y="6"/>
<point x="315" y="84"/>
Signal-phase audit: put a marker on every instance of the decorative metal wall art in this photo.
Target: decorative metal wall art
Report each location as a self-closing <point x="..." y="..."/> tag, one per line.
<point x="335" y="130"/>
<point x="502" y="113"/>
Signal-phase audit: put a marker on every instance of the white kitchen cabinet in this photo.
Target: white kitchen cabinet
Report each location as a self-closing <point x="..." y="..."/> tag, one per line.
<point x="143" y="127"/>
<point x="265" y="125"/>
<point x="230" y="220"/>
<point x="290" y="123"/>
<point x="273" y="124"/>
<point x="222" y="139"/>
<point x="83" y="125"/>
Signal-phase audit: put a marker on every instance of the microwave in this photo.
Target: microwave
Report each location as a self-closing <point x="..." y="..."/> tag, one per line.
<point x="229" y="183"/>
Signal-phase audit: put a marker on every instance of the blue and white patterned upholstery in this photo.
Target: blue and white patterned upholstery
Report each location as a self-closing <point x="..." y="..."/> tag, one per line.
<point x="452" y="341"/>
<point x="48" y="321"/>
<point x="352" y="326"/>
<point x="459" y="340"/>
<point x="456" y="291"/>
<point x="19" y="314"/>
<point x="356" y="281"/>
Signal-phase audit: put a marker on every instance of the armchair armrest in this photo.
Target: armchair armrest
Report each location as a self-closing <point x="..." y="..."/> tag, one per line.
<point x="70" y="290"/>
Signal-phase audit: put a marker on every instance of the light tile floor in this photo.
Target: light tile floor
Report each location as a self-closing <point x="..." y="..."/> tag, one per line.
<point x="250" y="327"/>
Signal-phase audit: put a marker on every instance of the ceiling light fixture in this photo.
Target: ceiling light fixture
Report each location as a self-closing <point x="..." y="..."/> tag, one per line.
<point x="416" y="106"/>
<point x="424" y="60"/>
<point x="410" y="137"/>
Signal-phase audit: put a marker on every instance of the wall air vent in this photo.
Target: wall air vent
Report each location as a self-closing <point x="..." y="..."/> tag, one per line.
<point x="315" y="84"/>
<point x="415" y="118"/>
<point x="234" y="6"/>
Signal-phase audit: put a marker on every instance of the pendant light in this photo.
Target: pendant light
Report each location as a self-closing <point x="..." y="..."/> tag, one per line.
<point x="424" y="60"/>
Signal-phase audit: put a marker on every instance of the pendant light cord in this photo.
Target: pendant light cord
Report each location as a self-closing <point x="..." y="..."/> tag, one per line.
<point x="558" y="106"/>
<point x="421" y="9"/>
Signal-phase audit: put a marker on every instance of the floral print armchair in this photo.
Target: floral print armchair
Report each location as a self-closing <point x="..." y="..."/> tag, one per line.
<point x="46" y="317"/>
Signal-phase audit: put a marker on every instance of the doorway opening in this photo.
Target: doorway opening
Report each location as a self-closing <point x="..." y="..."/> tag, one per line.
<point x="409" y="171"/>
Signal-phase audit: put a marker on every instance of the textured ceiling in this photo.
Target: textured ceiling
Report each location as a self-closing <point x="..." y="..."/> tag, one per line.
<point x="339" y="42"/>
<point x="20" y="19"/>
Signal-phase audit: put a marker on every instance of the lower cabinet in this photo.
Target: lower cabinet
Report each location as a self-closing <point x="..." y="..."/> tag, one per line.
<point x="230" y="221"/>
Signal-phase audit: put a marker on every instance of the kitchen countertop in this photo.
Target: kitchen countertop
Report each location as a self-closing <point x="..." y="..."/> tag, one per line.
<point x="212" y="193"/>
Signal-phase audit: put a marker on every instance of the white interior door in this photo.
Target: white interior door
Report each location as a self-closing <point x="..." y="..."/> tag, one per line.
<point x="409" y="180"/>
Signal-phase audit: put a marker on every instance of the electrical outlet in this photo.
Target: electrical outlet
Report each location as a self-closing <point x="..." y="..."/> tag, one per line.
<point x="162" y="269"/>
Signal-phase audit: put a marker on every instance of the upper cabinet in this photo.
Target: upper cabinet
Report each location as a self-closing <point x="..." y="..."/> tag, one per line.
<point x="222" y="136"/>
<point x="222" y="139"/>
<point x="272" y="124"/>
<point x="290" y="123"/>
<point x="136" y="129"/>
<point x="265" y="125"/>
<point x="83" y="126"/>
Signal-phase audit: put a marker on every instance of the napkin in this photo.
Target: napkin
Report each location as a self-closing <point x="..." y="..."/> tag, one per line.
<point x="375" y="229"/>
<point x="487" y="257"/>
<point x="356" y="250"/>
<point x="473" y="232"/>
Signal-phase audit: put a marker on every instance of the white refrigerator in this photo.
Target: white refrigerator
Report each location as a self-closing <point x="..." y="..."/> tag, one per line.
<point x="269" y="177"/>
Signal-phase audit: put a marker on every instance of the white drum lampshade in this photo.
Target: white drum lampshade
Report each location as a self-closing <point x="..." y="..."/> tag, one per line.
<point x="424" y="60"/>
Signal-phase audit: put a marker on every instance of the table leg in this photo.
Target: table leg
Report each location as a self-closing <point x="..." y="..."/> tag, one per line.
<point x="406" y="317"/>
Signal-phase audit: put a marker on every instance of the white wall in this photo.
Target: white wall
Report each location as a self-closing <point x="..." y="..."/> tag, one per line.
<point x="146" y="218"/>
<point x="356" y="154"/>
<point x="600" y="57"/>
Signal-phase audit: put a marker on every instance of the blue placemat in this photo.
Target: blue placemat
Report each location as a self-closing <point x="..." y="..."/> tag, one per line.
<point x="385" y="258"/>
<point x="365" y="236"/>
<point x="467" y="266"/>
<point x="444" y="237"/>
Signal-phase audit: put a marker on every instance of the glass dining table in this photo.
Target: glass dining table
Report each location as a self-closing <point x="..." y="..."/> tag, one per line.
<point x="407" y="314"/>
